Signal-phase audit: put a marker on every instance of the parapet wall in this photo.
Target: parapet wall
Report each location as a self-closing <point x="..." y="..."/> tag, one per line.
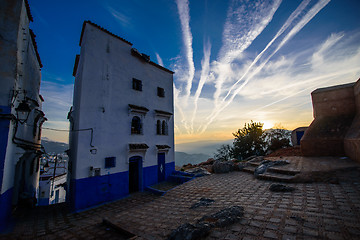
<point x="335" y="130"/>
<point x="352" y="138"/>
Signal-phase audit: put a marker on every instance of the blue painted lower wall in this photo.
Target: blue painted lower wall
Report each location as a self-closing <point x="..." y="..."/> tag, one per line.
<point x="43" y="201"/>
<point x="6" y="197"/>
<point x="88" y="192"/>
<point x="150" y="175"/>
<point x="4" y="135"/>
<point x="5" y="209"/>
<point x="169" y="168"/>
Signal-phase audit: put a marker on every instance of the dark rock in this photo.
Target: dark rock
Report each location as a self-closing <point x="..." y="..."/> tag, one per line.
<point x="280" y="188"/>
<point x="202" y="202"/>
<point x="210" y="161"/>
<point x="260" y="169"/>
<point x="224" y="217"/>
<point x="264" y="165"/>
<point x="188" y="231"/>
<point x="198" y="172"/>
<point x="202" y="228"/>
<point x="223" y="167"/>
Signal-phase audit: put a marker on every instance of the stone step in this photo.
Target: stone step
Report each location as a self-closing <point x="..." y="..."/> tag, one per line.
<point x="278" y="170"/>
<point x="276" y="177"/>
<point x="271" y="176"/>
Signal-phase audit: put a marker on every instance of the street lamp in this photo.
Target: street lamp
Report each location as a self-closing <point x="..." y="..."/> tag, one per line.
<point x="23" y="111"/>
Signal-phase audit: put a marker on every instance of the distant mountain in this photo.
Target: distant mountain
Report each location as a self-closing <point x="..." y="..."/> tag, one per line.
<point x="54" y="147"/>
<point x="182" y="158"/>
<point x="204" y="147"/>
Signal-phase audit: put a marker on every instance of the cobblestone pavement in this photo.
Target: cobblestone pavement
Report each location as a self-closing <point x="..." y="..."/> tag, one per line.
<point x="312" y="211"/>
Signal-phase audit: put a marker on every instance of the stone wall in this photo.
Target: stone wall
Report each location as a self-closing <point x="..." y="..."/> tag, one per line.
<point x="335" y="130"/>
<point x="352" y="138"/>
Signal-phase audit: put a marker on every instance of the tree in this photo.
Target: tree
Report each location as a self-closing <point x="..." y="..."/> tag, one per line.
<point x="249" y="141"/>
<point x="224" y="153"/>
<point x="277" y="138"/>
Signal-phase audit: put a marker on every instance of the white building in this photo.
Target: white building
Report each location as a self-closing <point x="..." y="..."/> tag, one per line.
<point x="53" y="179"/>
<point x="21" y="117"/>
<point x="122" y="124"/>
<point x="52" y="189"/>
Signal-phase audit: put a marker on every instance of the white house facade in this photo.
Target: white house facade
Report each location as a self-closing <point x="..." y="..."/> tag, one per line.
<point x="121" y="121"/>
<point x="21" y="117"/>
<point x="52" y="189"/>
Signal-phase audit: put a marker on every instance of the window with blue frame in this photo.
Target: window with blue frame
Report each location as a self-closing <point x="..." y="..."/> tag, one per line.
<point x="110" y="162"/>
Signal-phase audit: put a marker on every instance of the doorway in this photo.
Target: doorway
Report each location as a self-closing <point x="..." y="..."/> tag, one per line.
<point x="135" y="166"/>
<point x="161" y="167"/>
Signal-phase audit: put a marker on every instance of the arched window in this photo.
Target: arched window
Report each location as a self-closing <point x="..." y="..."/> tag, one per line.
<point x="158" y="127"/>
<point x="164" y="128"/>
<point x="136" y="125"/>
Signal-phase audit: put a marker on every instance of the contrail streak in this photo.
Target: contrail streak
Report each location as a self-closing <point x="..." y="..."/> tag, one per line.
<point x="310" y="14"/>
<point x="237" y="39"/>
<point x="286" y="25"/>
<point x="159" y="60"/>
<point x="205" y="68"/>
<point x="183" y="9"/>
<point x="178" y="107"/>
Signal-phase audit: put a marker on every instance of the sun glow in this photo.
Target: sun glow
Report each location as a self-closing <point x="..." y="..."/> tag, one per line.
<point x="267" y="125"/>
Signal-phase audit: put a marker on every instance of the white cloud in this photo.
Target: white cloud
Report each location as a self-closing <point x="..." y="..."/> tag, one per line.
<point x="159" y="60"/>
<point x="205" y="68"/>
<point x="244" y="23"/>
<point x="58" y="99"/>
<point x="250" y="73"/>
<point x="184" y="14"/>
<point x="121" y="18"/>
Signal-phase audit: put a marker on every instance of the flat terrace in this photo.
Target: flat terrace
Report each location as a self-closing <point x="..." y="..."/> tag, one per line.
<point x="319" y="210"/>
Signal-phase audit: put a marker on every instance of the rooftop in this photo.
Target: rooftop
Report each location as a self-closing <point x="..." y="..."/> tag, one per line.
<point x="122" y="39"/>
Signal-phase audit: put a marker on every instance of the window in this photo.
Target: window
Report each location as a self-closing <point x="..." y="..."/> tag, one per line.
<point x="158" y="127"/>
<point x="160" y="92"/>
<point x="164" y="128"/>
<point x="136" y="127"/>
<point x="110" y="162"/>
<point x="137" y="84"/>
<point x="161" y="127"/>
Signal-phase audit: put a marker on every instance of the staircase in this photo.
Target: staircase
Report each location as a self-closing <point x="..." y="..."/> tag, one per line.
<point x="274" y="173"/>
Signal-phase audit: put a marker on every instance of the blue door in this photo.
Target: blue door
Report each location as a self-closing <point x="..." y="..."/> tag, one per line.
<point x="161" y="167"/>
<point x="135" y="167"/>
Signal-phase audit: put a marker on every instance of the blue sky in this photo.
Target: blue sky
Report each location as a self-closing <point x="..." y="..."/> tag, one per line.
<point x="234" y="61"/>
